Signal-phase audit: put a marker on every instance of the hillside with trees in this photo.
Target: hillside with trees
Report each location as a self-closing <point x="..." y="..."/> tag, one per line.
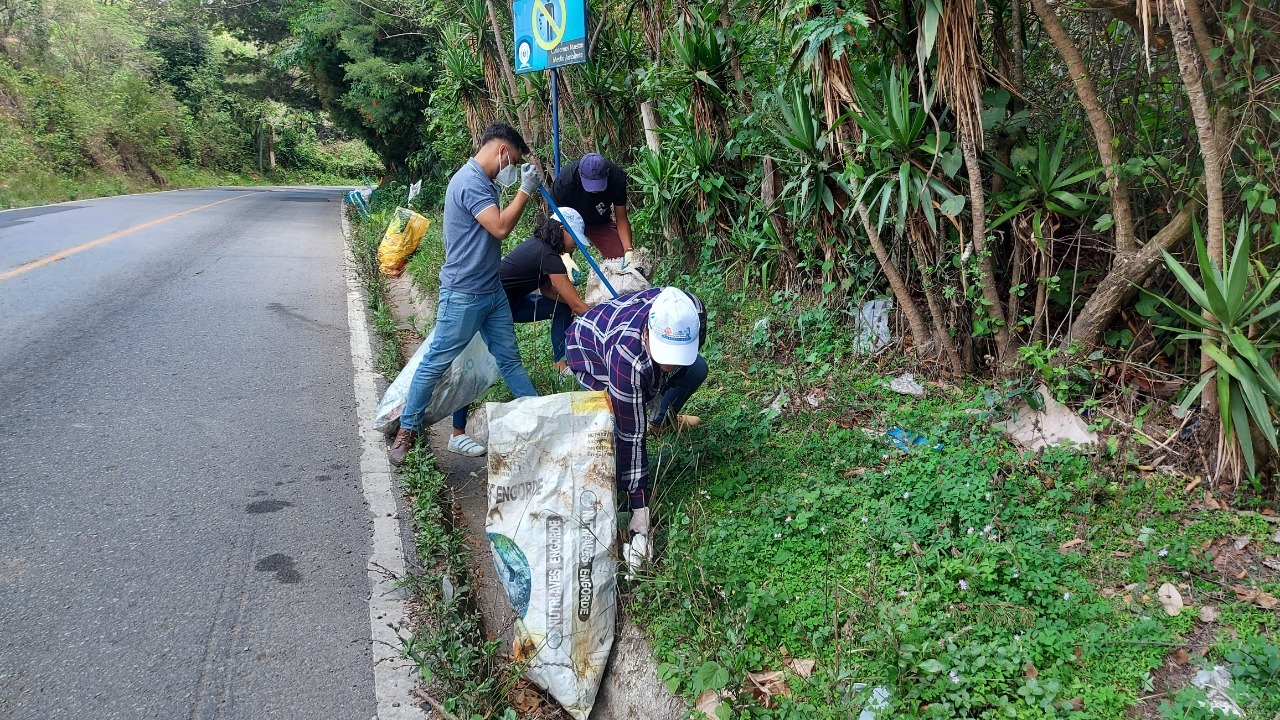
<point x="108" y="97"/>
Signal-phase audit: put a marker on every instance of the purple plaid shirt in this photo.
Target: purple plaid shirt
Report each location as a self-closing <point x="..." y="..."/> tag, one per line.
<point x="605" y="348"/>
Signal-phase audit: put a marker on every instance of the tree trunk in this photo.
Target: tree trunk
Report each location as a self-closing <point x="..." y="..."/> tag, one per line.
<point x="978" y="209"/>
<point x="1204" y="41"/>
<point x="1127" y="270"/>
<point x="1103" y="135"/>
<point x="1019" y="78"/>
<point x="906" y="303"/>
<point x="941" y="329"/>
<point x="1210" y="150"/>
<point x="507" y="73"/>
<point x="769" y="186"/>
<point x="649" y="117"/>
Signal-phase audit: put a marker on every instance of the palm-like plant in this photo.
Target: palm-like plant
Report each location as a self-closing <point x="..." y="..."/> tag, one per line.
<point x="1043" y="185"/>
<point x="816" y="193"/>
<point x="903" y="158"/>
<point x="699" y="45"/>
<point x="1040" y="192"/>
<point x="904" y="167"/>
<point x="663" y="188"/>
<point x="463" y="75"/>
<point x="1240" y="331"/>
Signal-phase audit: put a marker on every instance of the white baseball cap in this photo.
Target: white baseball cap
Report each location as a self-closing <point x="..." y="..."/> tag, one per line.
<point x="574" y="218"/>
<point x="673" y="328"/>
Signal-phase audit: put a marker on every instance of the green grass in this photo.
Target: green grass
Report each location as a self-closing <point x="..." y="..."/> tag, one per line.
<point x="458" y="669"/>
<point x="938" y="574"/>
<point x="934" y="573"/>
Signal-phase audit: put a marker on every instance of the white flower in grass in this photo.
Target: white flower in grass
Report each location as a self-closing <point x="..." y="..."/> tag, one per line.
<point x="964" y="585"/>
<point x="955" y="678"/>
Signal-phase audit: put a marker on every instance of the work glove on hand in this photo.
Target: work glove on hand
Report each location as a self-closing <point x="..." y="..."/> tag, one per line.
<point x="639" y="521"/>
<point x="576" y="276"/>
<point x="637" y="551"/>
<point x="530" y="179"/>
<point x="626" y="259"/>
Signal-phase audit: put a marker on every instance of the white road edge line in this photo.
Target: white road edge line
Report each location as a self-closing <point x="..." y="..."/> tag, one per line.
<point x="393" y="676"/>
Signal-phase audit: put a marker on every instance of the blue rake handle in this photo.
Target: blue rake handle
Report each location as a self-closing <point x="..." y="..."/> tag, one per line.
<point x="582" y="242"/>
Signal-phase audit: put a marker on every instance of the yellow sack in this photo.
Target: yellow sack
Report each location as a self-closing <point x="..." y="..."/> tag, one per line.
<point x="404" y="232"/>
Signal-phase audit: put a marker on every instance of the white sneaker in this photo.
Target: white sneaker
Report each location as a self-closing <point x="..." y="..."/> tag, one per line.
<point x="464" y="445"/>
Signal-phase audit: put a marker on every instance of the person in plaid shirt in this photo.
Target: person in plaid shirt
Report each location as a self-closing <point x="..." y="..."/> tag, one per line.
<point x="639" y="347"/>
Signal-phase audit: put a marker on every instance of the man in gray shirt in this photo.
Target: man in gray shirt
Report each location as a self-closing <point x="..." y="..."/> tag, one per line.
<point x="471" y="295"/>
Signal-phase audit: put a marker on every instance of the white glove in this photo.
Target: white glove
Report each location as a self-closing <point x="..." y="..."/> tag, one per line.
<point x="530" y="179"/>
<point x="639" y="521"/>
<point x="636" y="554"/>
<point x="576" y="276"/>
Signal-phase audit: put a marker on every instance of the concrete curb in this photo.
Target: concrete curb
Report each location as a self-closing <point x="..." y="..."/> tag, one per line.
<point x="393" y="676"/>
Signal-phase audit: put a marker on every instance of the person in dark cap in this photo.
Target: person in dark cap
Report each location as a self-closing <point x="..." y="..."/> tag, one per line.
<point x="597" y="188"/>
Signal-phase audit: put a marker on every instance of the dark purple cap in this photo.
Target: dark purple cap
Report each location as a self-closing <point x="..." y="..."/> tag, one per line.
<point x="594" y="171"/>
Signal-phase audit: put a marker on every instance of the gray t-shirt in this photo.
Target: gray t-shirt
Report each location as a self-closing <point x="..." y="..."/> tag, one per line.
<point x="472" y="256"/>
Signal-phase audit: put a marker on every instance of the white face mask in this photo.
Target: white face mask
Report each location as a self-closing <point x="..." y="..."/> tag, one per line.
<point x="508" y="174"/>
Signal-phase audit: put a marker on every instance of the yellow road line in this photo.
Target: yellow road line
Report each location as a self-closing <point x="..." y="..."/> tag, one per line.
<point x="106" y="239"/>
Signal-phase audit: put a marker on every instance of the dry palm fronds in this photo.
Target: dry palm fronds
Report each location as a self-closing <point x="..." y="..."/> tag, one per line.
<point x="960" y="68"/>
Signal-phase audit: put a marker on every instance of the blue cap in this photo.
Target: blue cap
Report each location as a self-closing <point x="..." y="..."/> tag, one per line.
<point x="594" y="171"/>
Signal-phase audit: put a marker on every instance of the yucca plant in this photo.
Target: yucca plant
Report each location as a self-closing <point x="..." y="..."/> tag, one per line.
<point x="906" y="161"/>
<point x="1236" y="322"/>
<point x="663" y="188"/>
<point x="1043" y="185"/>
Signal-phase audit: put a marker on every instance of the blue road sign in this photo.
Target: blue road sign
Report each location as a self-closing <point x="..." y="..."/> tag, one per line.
<point x="549" y="33"/>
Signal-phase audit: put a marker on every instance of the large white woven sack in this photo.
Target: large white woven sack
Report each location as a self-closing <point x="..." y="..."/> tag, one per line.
<point x="635" y="279"/>
<point x="552" y="522"/>
<point x="471" y="373"/>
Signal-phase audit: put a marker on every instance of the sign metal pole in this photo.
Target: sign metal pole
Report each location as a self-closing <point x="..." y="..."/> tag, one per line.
<point x="555" y="117"/>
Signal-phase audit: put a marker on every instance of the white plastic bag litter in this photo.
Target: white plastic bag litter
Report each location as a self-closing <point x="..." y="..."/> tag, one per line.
<point x="872" y="325"/>
<point x="467" y="378"/>
<point x="635" y="279"/>
<point x="551" y="524"/>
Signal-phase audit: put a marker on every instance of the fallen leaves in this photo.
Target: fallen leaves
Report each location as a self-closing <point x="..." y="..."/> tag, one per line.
<point x="764" y="686"/>
<point x="1070" y="544"/>
<point x="1262" y="599"/>
<point x="1209" y="614"/>
<point x="709" y="701"/>
<point x="1171" y="599"/>
<point x="803" y="668"/>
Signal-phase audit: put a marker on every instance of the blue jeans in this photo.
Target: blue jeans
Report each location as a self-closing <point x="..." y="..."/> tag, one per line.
<point x="534" y="308"/>
<point x="458" y="318"/>
<point x="679" y="388"/>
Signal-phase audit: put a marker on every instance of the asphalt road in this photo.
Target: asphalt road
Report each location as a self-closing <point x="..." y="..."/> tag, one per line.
<point x="182" y="528"/>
